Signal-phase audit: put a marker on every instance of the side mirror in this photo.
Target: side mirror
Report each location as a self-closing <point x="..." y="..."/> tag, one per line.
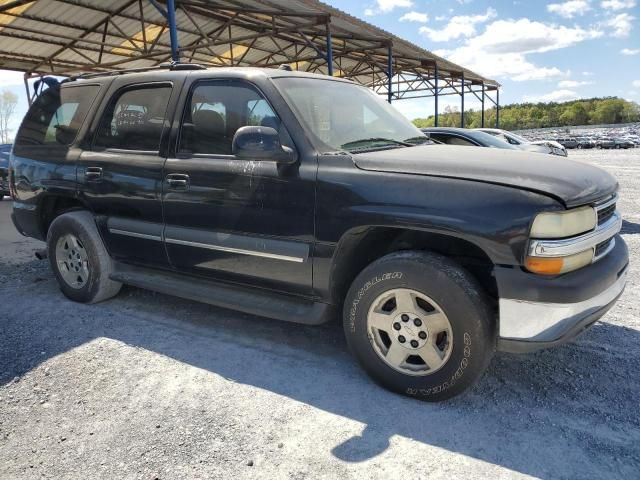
<point x="261" y="143"/>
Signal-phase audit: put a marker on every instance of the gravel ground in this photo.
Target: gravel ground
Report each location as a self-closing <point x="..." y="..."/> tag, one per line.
<point x="147" y="386"/>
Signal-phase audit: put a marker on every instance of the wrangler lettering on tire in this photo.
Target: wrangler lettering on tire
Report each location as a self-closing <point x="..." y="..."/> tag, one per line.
<point x="424" y="330"/>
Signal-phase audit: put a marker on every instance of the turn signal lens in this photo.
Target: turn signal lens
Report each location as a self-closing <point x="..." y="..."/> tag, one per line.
<point x="558" y="265"/>
<point x="564" y="223"/>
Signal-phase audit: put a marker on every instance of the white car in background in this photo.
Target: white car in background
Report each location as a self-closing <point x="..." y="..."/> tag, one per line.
<point x="539" y="146"/>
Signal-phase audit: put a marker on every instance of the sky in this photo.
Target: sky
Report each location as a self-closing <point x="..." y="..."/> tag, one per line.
<point x="539" y="50"/>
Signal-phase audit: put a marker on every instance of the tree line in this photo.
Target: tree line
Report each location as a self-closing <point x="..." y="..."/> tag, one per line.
<point x="517" y="116"/>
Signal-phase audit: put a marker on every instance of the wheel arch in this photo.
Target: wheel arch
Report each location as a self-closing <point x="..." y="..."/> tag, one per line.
<point x="361" y="246"/>
<point x="52" y="206"/>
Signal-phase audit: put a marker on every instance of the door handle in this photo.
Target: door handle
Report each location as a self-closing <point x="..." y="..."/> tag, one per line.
<point x="178" y="181"/>
<point x="93" y="174"/>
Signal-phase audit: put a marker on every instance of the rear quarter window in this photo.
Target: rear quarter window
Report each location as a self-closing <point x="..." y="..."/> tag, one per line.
<point x="56" y="116"/>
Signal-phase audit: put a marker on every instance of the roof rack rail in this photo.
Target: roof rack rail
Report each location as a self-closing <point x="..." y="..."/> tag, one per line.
<point x="162" y="66"/>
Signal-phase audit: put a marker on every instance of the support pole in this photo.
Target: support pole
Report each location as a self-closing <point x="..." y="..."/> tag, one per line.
<point x="173" y="30"/>
<point x="497" y="107"/>
<point x="329" y="50"/>
<point x="437" y="74"/>
<point x="389" y="72"/>
<point x="482" y="102"/>
<point x="26" y="86"/>
<point x="462" y="104"/>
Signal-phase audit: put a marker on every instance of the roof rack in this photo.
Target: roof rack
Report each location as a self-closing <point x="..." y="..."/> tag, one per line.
<point x="163" y="66"/>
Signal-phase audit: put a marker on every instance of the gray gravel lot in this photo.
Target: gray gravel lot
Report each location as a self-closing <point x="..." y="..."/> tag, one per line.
<point x="148" y="386"/>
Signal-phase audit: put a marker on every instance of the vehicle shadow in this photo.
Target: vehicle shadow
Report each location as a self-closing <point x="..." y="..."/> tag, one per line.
<point x="629" y="228"/>
<point x="526" y="414"/>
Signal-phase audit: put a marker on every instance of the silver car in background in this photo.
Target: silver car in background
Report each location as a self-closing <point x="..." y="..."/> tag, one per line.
<point x="540" y="146"/>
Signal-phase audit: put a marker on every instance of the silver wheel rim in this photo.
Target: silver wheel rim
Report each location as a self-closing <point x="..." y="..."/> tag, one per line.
<point x="410" y="332"/>
<point x="72" y="261"/>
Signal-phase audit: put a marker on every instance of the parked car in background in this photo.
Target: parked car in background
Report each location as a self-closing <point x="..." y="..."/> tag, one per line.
<point x="264" y="197"/>
<point x="466" y="138"/>
<point x="606" y="143"/>
<point x="5" y="150"/>
<point x="584" y="143"/>
<point x="568" y="142"/>
<point x="538" y="146"/>
<point x="623" y="143"/>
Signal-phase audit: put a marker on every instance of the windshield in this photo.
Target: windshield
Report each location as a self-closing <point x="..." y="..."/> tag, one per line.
<point x="517" y="137"/>
<point x="341" y="116"/>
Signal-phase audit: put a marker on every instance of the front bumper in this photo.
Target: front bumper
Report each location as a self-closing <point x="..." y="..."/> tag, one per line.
<point x="538" y="313"/>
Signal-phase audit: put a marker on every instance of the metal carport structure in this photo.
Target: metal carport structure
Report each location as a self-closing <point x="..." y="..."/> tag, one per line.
<point x="65" y="37"/>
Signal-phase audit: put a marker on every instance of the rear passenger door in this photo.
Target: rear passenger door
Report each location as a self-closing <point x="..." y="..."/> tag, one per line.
<point x="234" y="219"/>
<point x="120" y="175"/>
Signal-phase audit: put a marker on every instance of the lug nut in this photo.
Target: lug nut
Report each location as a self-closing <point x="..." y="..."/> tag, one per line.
<point x="422" y="335"/>
<point x="417" y="322"/>
<point x="401" y="339"/>
<point x="414" y="343"/>
<point x="397" y="326"/>
<point x="405" y="317"/>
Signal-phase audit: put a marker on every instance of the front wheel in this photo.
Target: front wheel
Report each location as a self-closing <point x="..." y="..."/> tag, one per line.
<point x="419" y="325"/>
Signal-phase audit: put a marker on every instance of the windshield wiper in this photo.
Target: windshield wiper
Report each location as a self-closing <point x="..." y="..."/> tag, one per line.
<point x="418" y="140"/>
<point x="375" y="139"/>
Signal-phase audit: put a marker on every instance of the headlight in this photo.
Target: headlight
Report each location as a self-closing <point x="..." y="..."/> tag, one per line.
<point x="558" y="265"/>
<point x="564" y="224"/>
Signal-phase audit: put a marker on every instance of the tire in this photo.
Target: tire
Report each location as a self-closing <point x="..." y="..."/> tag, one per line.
<point x="75" y="249"/>
<point x="465" y="348"/>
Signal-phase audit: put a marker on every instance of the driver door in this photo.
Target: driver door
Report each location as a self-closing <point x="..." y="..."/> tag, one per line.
<point x="236" y="220"/>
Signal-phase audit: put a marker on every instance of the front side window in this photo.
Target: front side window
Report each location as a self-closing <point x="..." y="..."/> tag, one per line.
<point x="453" y="140"/>
<point x="134" y="120"/>
<point x="341" y="116"/>
<point x="56" y="116"/>
<point x="214" y="112"/>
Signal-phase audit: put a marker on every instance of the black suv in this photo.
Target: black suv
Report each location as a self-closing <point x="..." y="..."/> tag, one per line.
<point x="297" y="196"/>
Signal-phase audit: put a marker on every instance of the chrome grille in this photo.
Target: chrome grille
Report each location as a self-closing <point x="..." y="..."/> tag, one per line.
<point x="606" y="213"/>
<point x="602" y="248"/>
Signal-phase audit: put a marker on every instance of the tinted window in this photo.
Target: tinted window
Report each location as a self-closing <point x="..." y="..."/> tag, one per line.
<point x="451" y="139"/>
<point x="134" y="119"/>
<point x="216" y="110"/>
<point x="56" y="116"/>
<point x="459" y="141"/>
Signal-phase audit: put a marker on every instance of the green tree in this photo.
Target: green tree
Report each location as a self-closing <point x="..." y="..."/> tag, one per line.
<point x="592" y="111"/>
<point x="8" y="104"/>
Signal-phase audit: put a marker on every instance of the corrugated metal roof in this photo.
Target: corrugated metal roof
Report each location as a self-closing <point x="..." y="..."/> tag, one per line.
<point x="72" y="36"/>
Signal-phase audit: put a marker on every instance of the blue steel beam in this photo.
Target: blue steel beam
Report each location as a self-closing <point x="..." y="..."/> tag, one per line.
<point x="173" y="30"/>
<point x="462" y="104"/>
<point x="329" y="51"/>
<point x="389" y="72"/>
<point x="437" y="75"/>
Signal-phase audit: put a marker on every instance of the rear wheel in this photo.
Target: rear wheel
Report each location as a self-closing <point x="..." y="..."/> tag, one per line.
<point x="79" y="259"/>
<point x="419" y="324"/>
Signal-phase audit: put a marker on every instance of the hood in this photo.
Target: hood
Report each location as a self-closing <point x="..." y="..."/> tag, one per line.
<point x="573" y="183"/>
<point x="551" y="143"/>
<point x="534" y="147"/>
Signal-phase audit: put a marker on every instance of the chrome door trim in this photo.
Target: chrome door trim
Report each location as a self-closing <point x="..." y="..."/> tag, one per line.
<point x="145" y="236"/>
<point x="240" y="251"/>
